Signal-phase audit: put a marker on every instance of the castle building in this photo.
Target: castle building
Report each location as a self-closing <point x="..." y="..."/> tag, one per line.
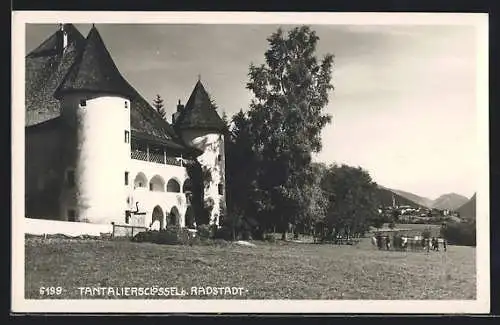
<point x="97" y="152"/>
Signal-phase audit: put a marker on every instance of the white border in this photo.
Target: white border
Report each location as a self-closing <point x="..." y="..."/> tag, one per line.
<point x="21" y="305"/>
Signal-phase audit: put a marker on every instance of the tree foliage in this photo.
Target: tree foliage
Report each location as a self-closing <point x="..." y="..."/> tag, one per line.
<point x="286" y="118"/>
<point x="201" y="210"/>
<point x="241" y="166"/>
<point x="272" y="182"/>
<point x="460" y="233"/>
<point x="159" y="106"/>
<point x="352" y="199"/>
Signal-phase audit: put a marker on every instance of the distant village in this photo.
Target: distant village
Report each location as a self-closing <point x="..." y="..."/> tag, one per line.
<point x="407" y="214"/>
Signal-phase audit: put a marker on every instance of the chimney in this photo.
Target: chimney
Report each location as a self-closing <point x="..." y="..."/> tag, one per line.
<point x="179" y="111"/>
<point x="64" y="36"/>
<point x="180" y="107"/>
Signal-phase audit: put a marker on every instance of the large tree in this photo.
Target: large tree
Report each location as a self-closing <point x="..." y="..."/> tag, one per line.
<point x="243" y="201"/>
<point x="352" y="196"/>
<point x="286" y="118"/>
<point x="159" y="106"/>
<point x="317" y="200"/>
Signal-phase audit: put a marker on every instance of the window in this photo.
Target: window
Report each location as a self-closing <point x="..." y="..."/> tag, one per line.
<point x="70" y="178"/>
<point x="126" y="104"/>
<point x="83" y="103"/>
<point x="126" y="178"/>
<point x="127" y="217"/>
<point x="221" y="189"/>
<point x="173" y="186"/>
<point x="150" y="186"/>
<point x="219" y="158"/>
<point x="127" y="136"/>
<point x="71" y="215"/>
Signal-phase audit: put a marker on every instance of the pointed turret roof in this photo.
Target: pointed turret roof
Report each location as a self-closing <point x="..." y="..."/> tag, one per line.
<point x="199" y="112"/>
<point x="95" y="70"/>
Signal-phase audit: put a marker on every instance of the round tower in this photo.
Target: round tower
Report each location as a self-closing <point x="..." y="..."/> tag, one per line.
<point x="96" y="106"/>
<point x="202" y="128"/>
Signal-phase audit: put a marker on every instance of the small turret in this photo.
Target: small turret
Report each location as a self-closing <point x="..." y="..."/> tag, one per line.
<point x="202" y="128"/>
<point x="199" y="113"/>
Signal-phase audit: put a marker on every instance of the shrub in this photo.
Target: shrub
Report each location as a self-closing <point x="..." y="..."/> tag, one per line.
<point x="463" y="233"/>
<point x="224" y="233"/>
<point x="203" y="231"/>
<point x="172" y="235"/>
<point x="144" y="236"/>
<point x="213" y="230"/>
<point x="270" y="238"/>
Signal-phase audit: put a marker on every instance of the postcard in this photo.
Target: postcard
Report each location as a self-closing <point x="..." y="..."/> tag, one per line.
<point x="230" y="162"/>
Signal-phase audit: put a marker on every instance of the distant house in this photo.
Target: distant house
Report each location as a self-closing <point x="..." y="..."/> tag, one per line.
<point x="97" y="152"/>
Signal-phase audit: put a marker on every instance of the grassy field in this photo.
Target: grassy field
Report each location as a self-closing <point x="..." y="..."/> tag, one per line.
<point x="267" y="271"/>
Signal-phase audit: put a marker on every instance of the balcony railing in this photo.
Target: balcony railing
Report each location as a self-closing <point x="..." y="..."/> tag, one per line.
<point x="139" y="155"/>
<point x="156" y="158"/>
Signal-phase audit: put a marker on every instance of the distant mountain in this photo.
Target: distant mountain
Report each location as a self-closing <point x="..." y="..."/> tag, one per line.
<point x="385" y="196"/>
<point x="423" y="201"/>
<point x="451" y="201"/>
<point x="468" y="210"/>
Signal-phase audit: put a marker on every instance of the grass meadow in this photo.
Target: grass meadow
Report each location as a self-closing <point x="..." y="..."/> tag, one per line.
<point x="280" y="270"/>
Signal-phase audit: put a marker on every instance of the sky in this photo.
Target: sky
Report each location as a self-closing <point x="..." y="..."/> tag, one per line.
<point x="403" y="107"/>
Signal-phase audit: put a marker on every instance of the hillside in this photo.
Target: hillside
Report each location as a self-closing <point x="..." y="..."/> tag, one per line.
<point x="385" y="195"/>
<point x="468" y="210"/>
<point x="423" y="201"/>
<point x="451" y="201"/>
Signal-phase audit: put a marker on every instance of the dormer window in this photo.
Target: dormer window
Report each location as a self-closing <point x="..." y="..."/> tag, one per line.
<point x="83" y="103"/>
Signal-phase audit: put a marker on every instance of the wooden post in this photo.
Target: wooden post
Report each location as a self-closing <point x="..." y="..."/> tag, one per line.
<point x="181" y="160"/>
<point x="147" y="152"/>
<point x="164" y="157"/>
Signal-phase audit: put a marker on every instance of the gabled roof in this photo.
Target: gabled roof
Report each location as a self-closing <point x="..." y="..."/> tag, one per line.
<point x="46" y="67"/>
<point x="89" y="67"/>
<point x="94" y="71"/>
<point x="53" y="44"/>
<point x="199" y="112"/>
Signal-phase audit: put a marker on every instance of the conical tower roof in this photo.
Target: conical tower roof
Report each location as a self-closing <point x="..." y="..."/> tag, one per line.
<point x="199" y="112"/>
<point x="95" y="71"/>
